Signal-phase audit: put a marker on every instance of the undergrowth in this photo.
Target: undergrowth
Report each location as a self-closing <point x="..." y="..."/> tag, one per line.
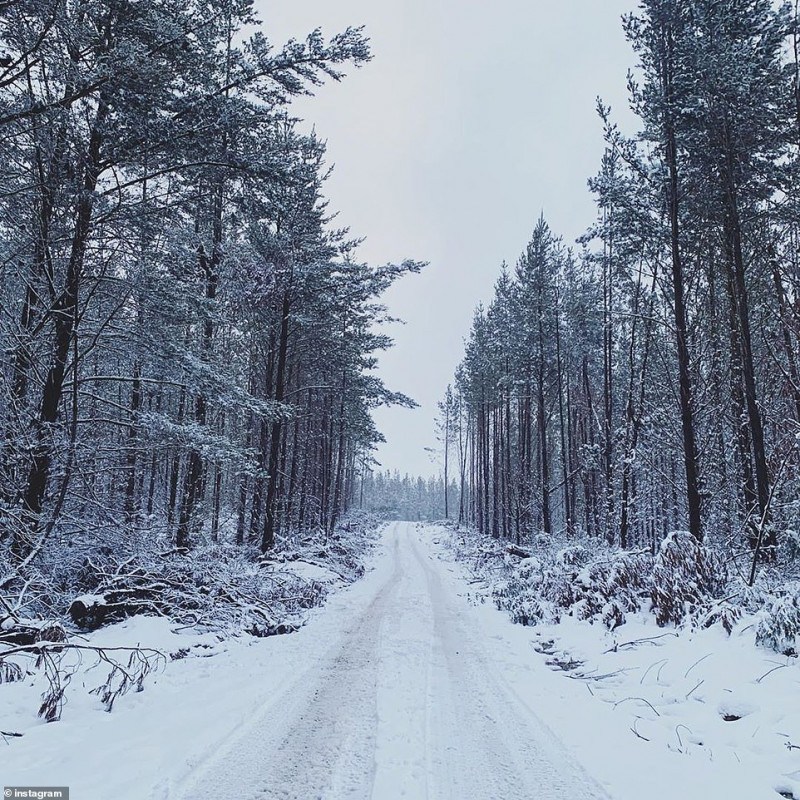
<point x="47" y="608"/>
<point x="684" y="584"/>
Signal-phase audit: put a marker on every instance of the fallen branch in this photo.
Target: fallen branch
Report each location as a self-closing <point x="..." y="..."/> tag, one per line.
<point x="634" y="642"/>
<point x="516" y="550"/>
<point x="49" y="656"/>
<point x="586" y="676"/>
<point x="643" y="738"/>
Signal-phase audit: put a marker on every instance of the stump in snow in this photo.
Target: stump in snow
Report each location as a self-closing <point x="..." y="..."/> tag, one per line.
<point x="23" y="633"/>
<point x="89" y="611"/>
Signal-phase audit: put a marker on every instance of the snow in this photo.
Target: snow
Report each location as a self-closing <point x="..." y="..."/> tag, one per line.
<point x="154" y="739"/>
<point x="406" y="685"/>
<point x="400" y="701"/>
<point x="644" y="707"/>
<point x="310" y="571"/>
<point x="91" y="600"/>
<point x="386" y="693"/>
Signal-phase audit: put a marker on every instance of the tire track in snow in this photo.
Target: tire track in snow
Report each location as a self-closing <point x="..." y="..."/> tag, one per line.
<point x="318" y="739"/>
<point x="489" y="744"/>
<point x="406" y="705"/>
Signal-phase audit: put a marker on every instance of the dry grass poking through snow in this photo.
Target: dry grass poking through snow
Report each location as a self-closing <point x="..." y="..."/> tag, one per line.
<point x="677" y="653"/>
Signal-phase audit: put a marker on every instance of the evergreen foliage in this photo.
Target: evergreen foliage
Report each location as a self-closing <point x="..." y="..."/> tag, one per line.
<point x="187" y="345"/>
<point x="647" y="381"/>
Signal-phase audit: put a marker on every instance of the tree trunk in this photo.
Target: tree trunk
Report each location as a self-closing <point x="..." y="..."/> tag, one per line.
<point x="268" y="537"/>
<point x="690" y="454"/>
<point x="65" y="319"/>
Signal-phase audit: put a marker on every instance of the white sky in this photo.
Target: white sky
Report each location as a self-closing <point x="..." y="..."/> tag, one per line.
<point x="472" y="118"/>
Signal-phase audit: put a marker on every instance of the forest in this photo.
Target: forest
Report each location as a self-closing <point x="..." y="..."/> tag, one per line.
<point x="647" y="380"/>
<point x="187" y="340"/>
<point x="392" y="496"/>
<point x="597" y="596"/>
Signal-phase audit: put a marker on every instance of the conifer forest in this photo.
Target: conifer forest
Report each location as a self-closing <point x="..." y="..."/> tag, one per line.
<point x="214" y="580"/>
<point x="184" y="336"/>
<point x="646" y="379"/>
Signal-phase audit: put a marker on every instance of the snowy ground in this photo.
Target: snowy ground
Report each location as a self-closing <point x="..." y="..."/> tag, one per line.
<point x="655" y="712"/>
<point x="401" y="688"/>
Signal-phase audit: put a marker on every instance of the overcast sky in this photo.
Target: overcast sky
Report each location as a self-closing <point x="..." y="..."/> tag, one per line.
<point x="471" y="120"/>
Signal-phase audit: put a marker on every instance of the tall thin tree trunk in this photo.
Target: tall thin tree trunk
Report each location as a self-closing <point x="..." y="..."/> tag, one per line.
<point x="65" y="320"/>
<point x="690" y="453"/>
<point x="565" y="466"/>
<point x="195" y="471"/>
<point x="270" y="523"/>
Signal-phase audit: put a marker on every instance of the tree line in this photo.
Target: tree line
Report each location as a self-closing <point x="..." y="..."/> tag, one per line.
<point x="187" y="342"/>
<point x="393" y="496"/>
<point x="647" y="380"/>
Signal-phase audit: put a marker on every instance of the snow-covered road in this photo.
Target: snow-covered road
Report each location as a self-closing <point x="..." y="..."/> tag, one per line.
<point x="407" y="701"/>
<point x="401" y="686"/>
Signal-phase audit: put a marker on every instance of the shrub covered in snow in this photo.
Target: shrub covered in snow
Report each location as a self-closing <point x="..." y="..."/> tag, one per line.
<point x="521" y="594"/>
<point x="218" y="584"/>
<point x="720" y="612"/>
<point x="609" y="588"/>
<point x="215" y="588"/>
<point x="594" y="585"/>
<point x="684" y="584"/>
<point x="789" y="546"/>
<point x="779" y="624"/>
<point x="686" y="575"/>
<point x="218" y="587"/>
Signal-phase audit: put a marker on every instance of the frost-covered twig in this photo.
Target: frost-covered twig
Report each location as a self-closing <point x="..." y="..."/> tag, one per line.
<point x="639" y="735"/>
<point x="645" y="640"/>
<point x="699" y="661"/>
<point x="49" y="656"/>
<point x="655" y="663"/>
<point x="694" y="688"/>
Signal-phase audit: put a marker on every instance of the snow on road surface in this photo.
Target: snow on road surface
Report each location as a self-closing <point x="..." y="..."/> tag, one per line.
<point x="400" y="687"/>
<point x="405" y="703"/>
